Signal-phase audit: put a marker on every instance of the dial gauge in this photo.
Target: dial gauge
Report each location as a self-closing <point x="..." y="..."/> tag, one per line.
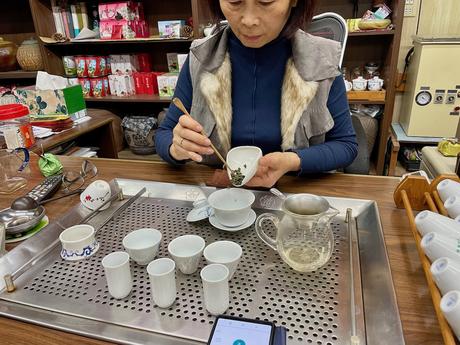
<point x="423" y="98"/>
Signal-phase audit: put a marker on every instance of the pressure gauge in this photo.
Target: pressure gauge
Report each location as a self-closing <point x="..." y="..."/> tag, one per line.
<point x="423" y="98"/>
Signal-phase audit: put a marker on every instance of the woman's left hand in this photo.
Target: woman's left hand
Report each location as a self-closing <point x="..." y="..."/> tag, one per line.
<point x="272" y="167"/>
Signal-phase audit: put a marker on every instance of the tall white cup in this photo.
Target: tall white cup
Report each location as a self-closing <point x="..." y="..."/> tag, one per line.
<point x="215" y="288"/>
<point x="162" y="273"/>
<point x="452" y="205"/>
<point x="447" y="188"/>
<point x="450" y="306"/>
<point x="437" y="246"/>
<point x="118" y="274"/>
<point x="446" y="274"/>
<point x="428" y="221"/>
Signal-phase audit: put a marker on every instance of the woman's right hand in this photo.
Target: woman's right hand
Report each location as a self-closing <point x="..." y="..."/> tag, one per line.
<point x="188" y="142"/>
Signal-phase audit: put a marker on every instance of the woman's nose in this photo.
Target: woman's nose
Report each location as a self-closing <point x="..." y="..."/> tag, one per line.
<point x="250" y="18"/>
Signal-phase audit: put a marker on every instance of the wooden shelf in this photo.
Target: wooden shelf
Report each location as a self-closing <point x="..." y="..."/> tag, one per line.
<point x="134" y="98"/>
<point x="18" y="75"/>
<point x="366" y="97"/>
<point x="371" y="33"/>
<point x="117" y="42"/>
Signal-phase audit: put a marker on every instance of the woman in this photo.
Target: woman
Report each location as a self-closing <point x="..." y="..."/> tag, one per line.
<point x="262" y="81"/>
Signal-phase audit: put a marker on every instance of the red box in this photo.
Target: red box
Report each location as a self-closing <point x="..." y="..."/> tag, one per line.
<point x="96" y="65"/>
<point x="85" y="86"/>
<point x="139" y="84"/>
<point x="147" y="78"/>
<point x="82" y="67"/>
<point x="144" y="62"/>
<point x="97" y="87"/>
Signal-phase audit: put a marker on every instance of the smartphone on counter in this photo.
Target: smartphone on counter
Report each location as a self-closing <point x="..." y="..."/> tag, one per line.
<point x="229" y="330"/>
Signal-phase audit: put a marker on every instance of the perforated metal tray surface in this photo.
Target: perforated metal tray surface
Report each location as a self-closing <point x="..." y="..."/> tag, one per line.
<point x="316" y="308"/>
<point x="313" y="307"/>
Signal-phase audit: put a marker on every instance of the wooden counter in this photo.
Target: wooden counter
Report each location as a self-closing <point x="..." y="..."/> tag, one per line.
<point x="416" y="310"/>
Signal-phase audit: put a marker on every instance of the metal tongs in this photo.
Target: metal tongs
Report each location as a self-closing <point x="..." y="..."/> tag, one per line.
<point x="10" y="278"/>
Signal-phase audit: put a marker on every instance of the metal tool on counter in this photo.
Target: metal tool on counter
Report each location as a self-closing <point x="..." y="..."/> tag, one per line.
<point x="2" y="239"/>
<point x="354" y="340"/>
<point x="10" y="278"/>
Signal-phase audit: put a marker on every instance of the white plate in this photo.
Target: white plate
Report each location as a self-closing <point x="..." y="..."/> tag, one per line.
<point x="198" y="214"/>
<point x="251" y="219"/>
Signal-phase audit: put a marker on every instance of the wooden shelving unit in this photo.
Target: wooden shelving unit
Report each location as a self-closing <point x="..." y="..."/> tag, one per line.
<point x="378" y="45"/>
<point x="134" y="99"/>
<point x="18" y="75"/>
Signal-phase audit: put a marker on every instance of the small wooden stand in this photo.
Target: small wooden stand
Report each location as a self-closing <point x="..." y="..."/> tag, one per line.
<point x="416" y="193"/>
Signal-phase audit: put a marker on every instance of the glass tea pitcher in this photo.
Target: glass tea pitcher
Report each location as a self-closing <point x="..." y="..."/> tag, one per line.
<point x="304" y="237"/>
<point x="13" y="163"/>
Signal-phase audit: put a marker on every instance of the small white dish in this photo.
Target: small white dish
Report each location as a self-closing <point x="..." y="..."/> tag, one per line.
<point x="246" y="158"/>
<point x="78" y="242"/>
<point x="251" y="219"/>
<point x="201" y="210"/>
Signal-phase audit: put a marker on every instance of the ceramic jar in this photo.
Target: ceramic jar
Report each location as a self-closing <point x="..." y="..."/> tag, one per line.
<point x="7" y="55"/>
<point x="375" y="84"/>
<point x="29" y="57"/>
<point x="359" y="84"/>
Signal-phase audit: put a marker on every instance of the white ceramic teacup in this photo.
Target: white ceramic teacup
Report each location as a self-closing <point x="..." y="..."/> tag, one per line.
<point x="231" y="206"/>
<point x="142" y="245"/>
<point x="446" y="274"/>
<point x="375" y="84"/>
<point x="359" y="84"/>
<point x="215" y="288"/>
<point x="227" y="253"/>
<point x="186" y="252"/>
<point x="78" y="242"/>
<point x="428" y="221"/>
<point x="118" y="274"/>
<point x="246" y="158"/>
<point x="162" y="273"/>
<point x="447" y="188"/>
<point x="437" y="246"/>
<point x="96" y="194"/>
<point x="452" y="205"/>
<point x="450" y="306"/>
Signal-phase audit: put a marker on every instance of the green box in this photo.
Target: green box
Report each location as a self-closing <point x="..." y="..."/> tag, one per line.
<point x="52" y="102"/>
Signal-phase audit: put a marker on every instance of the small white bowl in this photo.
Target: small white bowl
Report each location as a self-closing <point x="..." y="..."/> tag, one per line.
<point x="227" y="253"/>
<point x="186" y="252"/>
<point x="96" y="194"/>
<point x="231" y="205"/>
<point x="78" y="242"/>
<point x="246" y="158"/>
<point x="142" y="245"/>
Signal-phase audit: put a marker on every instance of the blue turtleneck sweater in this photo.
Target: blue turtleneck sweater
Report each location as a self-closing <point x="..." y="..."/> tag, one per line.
<point x="257" y="79"/>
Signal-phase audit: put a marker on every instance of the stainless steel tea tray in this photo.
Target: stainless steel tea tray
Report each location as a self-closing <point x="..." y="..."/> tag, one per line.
<point x="316" y="308"/>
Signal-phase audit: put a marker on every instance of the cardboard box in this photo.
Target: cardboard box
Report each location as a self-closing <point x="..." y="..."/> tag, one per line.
<point x="122" y="10"/>
<point x="51" y="102"/>
<point x="173" y="63"/>
<point x="167" y="84"/>
<point x="170" y="28"/>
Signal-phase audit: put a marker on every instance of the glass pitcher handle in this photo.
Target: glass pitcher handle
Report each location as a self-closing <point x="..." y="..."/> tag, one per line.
<point x="260" y="231"/>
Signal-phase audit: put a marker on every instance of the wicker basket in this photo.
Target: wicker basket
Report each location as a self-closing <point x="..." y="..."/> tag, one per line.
<point x="29" y="56"/>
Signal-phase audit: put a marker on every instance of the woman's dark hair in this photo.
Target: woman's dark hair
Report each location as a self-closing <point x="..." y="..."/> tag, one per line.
<point x="299" y="18"/>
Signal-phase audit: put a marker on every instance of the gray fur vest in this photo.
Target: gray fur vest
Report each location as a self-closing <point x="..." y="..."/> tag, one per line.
<point x="309" y="74"/>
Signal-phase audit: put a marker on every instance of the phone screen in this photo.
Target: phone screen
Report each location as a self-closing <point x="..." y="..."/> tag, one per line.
<point x="237" y="332"/>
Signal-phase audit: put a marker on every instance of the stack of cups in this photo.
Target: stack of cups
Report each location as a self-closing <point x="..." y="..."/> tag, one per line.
<point x="441" y="244"/>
